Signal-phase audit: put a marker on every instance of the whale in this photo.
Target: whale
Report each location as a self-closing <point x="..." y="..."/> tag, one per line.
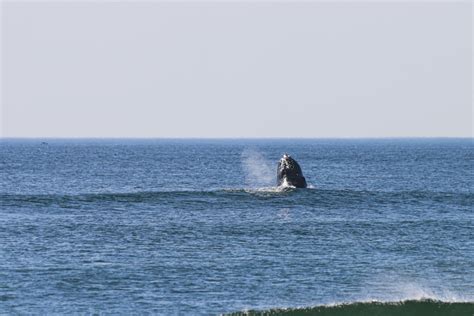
<point x="289" y="172"/>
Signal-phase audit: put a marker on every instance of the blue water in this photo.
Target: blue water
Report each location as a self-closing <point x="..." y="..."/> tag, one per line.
<point x="198" y="226"/>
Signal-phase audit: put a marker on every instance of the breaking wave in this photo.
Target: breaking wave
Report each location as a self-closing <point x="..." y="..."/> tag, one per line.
<point x="394" y="296"/>
<point x="422" y="307"/>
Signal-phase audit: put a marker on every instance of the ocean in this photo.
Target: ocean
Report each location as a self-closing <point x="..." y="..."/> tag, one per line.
<point x="198" y="227"/>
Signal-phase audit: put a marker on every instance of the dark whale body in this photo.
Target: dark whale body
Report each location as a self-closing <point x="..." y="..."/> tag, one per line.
<point x="290" y="170"/>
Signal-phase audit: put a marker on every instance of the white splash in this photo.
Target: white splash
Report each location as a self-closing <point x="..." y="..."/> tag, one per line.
<point x="393" y="288"/>
<point x="285" y="184"/>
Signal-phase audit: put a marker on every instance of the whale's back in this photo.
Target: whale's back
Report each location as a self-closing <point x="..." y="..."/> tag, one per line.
<point x="290" y="170"/>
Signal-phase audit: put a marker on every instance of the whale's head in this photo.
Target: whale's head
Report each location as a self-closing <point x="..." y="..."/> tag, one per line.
<point x="290" y="171"/>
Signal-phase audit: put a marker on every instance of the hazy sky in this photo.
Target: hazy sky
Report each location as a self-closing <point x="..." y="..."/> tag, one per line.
<point x="236" y="69"/>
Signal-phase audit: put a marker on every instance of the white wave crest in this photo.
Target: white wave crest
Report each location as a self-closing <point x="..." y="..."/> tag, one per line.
<point x="393" y="288"/>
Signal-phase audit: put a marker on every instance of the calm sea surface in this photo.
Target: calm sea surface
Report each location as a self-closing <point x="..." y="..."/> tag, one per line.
<point x="198" y="226"/>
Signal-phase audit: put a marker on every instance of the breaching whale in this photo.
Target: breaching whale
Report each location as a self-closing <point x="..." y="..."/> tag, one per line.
<point x="290" y="171"/>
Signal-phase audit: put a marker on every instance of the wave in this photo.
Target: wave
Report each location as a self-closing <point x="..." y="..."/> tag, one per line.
<point x="421" y="307"/>
<point x="310" y="196"/>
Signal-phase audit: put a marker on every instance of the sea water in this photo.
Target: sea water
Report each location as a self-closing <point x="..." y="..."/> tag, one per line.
<point x="198" y="227"/>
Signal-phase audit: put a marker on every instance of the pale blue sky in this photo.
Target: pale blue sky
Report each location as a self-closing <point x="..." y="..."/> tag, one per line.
<point x="236" y="69"/>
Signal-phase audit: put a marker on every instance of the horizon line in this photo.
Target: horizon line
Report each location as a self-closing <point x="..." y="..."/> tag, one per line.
<point x="225" y="138"/>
